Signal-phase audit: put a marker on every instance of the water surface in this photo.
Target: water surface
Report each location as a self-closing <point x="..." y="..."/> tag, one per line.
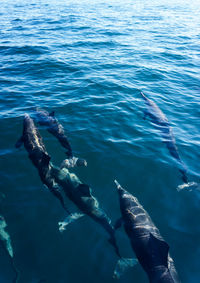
<point x="88" y="61"/>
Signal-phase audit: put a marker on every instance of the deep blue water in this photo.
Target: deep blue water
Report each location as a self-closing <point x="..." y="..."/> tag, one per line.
<point x="88" y="61"/>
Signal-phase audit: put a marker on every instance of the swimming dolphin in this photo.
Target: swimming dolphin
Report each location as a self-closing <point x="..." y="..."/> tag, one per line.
<point x="55" y="128"/>
<point x="6" y="243"/>
<point x="80" y="194"/>
<point x="150" y="248"/>
<point x="161" y="122"/>
<point x="58" y="180"/>
<point x="38" y="155"/>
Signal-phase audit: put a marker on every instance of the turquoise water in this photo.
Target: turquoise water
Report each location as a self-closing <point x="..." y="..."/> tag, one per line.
<point x="88" y="61"/>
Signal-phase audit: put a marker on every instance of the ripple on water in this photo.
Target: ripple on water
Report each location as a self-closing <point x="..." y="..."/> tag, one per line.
<point x="25" y="50"/>
<point x="88" y="61"/>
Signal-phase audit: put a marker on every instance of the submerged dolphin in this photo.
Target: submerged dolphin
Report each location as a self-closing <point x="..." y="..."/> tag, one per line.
<point x="80" y="194"/>
<point x="58" y="180"/>
<point x="6" y="241"/>
<point x="161" y="122"/>
<point x="38" y="155"/>
<point x="55" y="128"/>
<point x="150" y="248"/>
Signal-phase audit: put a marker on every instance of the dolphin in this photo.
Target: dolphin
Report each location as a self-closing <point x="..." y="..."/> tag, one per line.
<point x="7" y="245"/>
<point x="81" y="195"/>
<point x="161" y="122"/>
<point x="38" y="155"/>
<point x="150" y="248"/>
<point x="55" y="128"/>
<point x="61" y="180"/>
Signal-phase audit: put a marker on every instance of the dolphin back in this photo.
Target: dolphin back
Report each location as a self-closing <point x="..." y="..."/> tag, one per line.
<point x="34" y="144"/>
<point x="40" y="158"/>
<point x="54" y="127"/>
<point x="161" y="123"/>
<point x="150" y="248"/>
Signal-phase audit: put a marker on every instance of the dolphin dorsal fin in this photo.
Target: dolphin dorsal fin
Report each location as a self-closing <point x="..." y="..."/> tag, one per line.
<point x="85" y="189"/>
<point x="162" y="246"/>
<point x="52" y="113"/>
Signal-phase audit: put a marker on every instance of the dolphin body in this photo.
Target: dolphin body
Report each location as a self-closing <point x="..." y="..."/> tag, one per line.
<point x="7" y="245"/>
<point x="150" y="248"/>
<point x="161" y="122"/>
<point x="55" y="128"/>
<point x="38" y="155"/>
<point x="80" y="194"/>
<point x="58" y="180"/>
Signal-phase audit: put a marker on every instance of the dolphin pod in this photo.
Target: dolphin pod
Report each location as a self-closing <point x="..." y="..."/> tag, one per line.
<point x="161" y="122"/>
<point x="150" y="248"/>
<point x="60" y="180"/>
<point x="55" y="128"/>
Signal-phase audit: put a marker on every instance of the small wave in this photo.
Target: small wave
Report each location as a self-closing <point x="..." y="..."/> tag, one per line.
<point x="92" y="44"/>
<point x="172" y="56"/>
<point x="16" y="20"/>
<point x="26" y="50"/>
<point x="148" y="74"/>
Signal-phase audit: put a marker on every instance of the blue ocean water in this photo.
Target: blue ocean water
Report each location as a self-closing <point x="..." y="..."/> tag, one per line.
<point x="88" y="61"/>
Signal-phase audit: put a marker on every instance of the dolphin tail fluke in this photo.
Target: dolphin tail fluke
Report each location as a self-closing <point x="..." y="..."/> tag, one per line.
<point x="69" y="219"/>
<point x="188" y="186"/>
<point x="122" y="265"/>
